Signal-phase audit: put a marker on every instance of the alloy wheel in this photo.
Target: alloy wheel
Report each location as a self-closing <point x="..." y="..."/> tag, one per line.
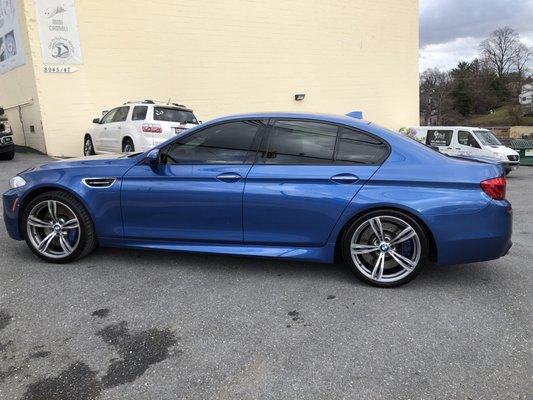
<point x="385" y="249"/>
<point x="53" y="229"/>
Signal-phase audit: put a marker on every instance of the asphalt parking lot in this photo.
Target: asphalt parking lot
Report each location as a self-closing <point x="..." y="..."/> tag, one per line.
<point x="124" y="324"/>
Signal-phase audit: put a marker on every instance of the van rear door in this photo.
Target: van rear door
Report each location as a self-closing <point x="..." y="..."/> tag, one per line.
<point x="441" y="139"/>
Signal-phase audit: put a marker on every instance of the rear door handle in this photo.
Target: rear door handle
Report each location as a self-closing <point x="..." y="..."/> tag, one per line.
<point x="344" y="178"/>
<point x="229" y="177"/>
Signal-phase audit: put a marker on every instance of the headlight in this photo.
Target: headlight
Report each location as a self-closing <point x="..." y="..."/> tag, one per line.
<point x="16" y="182"/>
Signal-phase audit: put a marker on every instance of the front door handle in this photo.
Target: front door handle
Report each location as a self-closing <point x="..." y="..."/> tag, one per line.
<point x="229" y="177"/>
<point x="345" y="178"/>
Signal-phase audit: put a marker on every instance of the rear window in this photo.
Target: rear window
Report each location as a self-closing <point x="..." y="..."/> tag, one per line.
<point x="174" y="115"/>
<point x="358" y="148"/>
<point x="439" y="138"/>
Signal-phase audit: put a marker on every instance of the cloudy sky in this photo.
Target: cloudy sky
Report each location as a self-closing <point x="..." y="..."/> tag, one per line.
<point x="451" y="30"/>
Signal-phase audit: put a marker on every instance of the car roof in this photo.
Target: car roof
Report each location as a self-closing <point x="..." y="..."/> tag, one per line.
<point x="450" y="127"/>
<point x="157" y="104"/>
<point x="338" y="119"/>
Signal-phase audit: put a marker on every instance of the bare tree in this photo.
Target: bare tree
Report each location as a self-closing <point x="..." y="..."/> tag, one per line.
<point x="522" y="57"/>
<point x="501" y="50"/>
<point x="434" y="101"/>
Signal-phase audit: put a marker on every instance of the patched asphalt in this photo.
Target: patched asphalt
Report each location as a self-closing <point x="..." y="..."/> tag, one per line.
<point x="123" y="324"/>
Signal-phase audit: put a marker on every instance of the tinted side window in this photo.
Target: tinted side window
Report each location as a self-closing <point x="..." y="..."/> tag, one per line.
<point x="139" y="113"/>
<point x="439" y="138"/>
<point x="300" y="142"/>
<point x="221" y="144"/>
<point x="359" y="148"/>
<point x="467" y="139"/>
<point x="109" y="116"/>
<point x="121" y="114"/>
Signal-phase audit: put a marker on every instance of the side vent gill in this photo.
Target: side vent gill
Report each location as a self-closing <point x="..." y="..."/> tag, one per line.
<point x="100" y="183"/>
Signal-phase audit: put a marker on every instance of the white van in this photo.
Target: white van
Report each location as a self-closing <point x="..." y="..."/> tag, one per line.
<point x="467" y="142"/>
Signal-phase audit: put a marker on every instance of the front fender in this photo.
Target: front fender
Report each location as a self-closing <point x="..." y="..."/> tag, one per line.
<point x="102" y="204"/>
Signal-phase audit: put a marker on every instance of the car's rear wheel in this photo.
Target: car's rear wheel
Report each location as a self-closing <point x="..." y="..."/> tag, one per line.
<point x="127" y="146"/>
<point x="386" y="248"/>
<point x="88" y="147"/>
<point x="58" y="228"/>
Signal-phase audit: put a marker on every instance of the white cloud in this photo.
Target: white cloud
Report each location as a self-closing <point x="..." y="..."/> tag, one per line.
<point x="445" y="56"/>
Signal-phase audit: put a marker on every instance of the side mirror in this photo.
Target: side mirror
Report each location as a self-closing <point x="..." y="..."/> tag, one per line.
<point x="96" y="121"/>
<point x="153" y="158"/>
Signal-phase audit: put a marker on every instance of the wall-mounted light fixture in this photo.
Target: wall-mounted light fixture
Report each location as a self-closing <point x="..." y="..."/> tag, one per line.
<point x="299" y="97"/>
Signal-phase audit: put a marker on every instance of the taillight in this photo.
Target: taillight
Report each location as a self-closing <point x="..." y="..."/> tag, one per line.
<point x="152" y="128"/>
<point x="495" y="187"/>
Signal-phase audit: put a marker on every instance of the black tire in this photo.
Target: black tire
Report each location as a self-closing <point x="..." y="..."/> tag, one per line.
<point x="8" y="155"/>
<point x="88" y="147"/>
<point x="422" y="239"/>
<point x="88" y="240"/>
<point x="128" y="146"/>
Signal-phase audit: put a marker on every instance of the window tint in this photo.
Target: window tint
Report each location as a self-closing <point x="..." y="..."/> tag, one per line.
<point x="222" y="144"/>
<point x="439" y="138"/>
<point x="467" y="139"/>
<point x="174" y="115"/>
<point x="139" y="113"/>
<point x="301" y="142"/>
<point x="109" y="116"/>
<point x="121" y="114"/>
<point x="357" y="147"/>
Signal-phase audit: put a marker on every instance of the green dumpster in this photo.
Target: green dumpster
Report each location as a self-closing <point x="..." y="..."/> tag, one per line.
<point x="524" y="148"/>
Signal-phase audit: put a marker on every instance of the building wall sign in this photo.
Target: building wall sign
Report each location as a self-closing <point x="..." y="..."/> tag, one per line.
<point x="58" y="31"/>
<point x="11" y="53"/>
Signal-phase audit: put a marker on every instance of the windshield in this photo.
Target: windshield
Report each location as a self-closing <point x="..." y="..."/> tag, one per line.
<point x="487" y="138"/>
<point x="174" y="115"/>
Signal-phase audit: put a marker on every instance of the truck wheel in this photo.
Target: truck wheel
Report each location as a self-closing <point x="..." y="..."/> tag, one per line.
<point x="8" y="156"/>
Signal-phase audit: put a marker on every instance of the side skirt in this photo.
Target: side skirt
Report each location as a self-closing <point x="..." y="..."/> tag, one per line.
<point x="314" y="254"/>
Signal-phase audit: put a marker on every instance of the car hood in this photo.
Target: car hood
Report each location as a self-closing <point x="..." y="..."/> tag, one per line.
<point x="108" y="160"/>
<point x="506" y="151"/>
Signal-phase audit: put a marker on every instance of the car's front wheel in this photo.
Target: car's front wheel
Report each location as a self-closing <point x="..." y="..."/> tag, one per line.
<point x="386" y="248"/>
<point x="58" y="228"/>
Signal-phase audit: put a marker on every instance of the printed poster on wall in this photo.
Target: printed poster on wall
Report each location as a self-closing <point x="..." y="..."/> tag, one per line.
<point x="58" y="31"/>
<point x="11" y="53"/>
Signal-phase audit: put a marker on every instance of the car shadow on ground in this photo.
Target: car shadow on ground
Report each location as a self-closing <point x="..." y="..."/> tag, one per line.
<point x="431" y="276"/>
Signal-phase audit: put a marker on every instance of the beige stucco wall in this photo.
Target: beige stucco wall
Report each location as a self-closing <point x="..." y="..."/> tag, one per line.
<point x="18" y="86"/>
<point x="235" y="56"/>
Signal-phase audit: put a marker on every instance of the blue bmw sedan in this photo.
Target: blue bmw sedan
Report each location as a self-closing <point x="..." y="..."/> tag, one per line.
<point x="292" y="186"/>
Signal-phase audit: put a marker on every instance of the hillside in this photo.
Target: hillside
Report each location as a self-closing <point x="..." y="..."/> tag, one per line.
<point x="500" y="117"/>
